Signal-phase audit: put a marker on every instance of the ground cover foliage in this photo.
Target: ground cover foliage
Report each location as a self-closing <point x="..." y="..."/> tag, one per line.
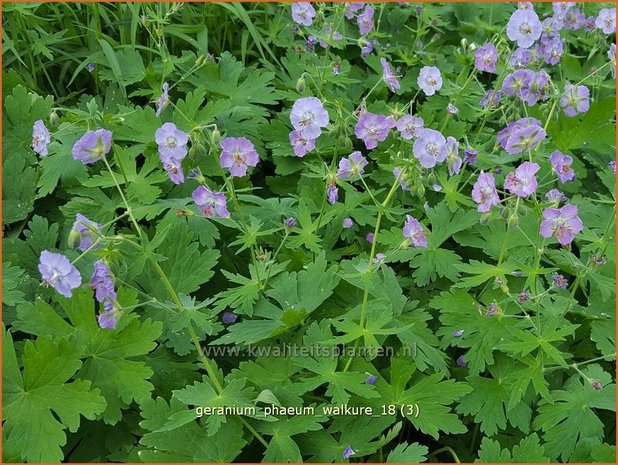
<point x="437" y="180"/>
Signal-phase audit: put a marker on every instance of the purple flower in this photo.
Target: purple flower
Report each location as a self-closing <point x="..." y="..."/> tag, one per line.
<point x="92" y="146"/>
<point x="337" y="68"/>
<point x="58" y="272"/>
<point x="366" y="47"/>
<point x="108" y="319"/>
<point x="486" y="57"/>
<point x="520" y="58"/>
<point x="606" y="21"/>
<point x="352" y="167"/>
<point x="173" y="168"/>
<point x="555" y="196"/>
<point x="518" y="83"/>
<point x="492" y="309"/>
<point x="408" y="126"/>
<point x="309" y="116"/>
<point x="348" y="452"/>
<point x="378" y="258"/>
<point x="561" y="223"/>
<point x="484" y="192"/>
<point x="561" y="8"/>
<point x="453" y="160"/>
<point x="228" y="317"/>
<point x="524" y="27"/>
<point x="372" y="128"/>
<point x="470" y="156"/>
<point x="332" y="192"/>
<point x="559" y="281"/>
<point x="452" y="109"/>
<point x="596" y="385"/>
<point x="611" y="54"/>
<point x="163" y="99"/>
<point x="430" y="148"/>
<point x="429" y="80"/>
<point x="612" y="165"/>
<point x="300" y="144"/>
<point x="388" y="76"/>
<point x="461" y="362"/>
<point x="598" y="260"/>
<point x="210" y="203"/>
<point x="458" y="333"/>
<point x="575" y="99"/>
<point x="589" y="24"/>
<point x="303" y="13"/>
<point x="491" y="99"/>
<point x="522" y="182"/>
<point x="351" y="8"/>
<point x="369" y="237"/>
<point x="371" y="379"/>
<point x="86" y="230"/>
<point x="347" y="223"/>
<point x="413" y="230"/>
<point x="289" y="222"/>
<point x="521" y="135"/>
<point x="574" y="20"/>
<point x="402" y="183"/>
<point x="91" y="67"/>
<point x="552" y="49"/>
<point x="561" y="164"/>
<point x="40" y="138"/>
<point x="365" y="21"/>
<point x="172" y="142"/>
<point x="523" y="297"/>
<point x="237" y="154"/>
<point x="102" y="282"/>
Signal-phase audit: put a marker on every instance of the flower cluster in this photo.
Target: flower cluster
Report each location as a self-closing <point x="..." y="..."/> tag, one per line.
<point x="172" y="144"/>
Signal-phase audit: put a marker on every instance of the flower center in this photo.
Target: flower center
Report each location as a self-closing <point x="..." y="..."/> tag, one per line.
<point x="432" y="149"/>
<point x="171" y="143"/>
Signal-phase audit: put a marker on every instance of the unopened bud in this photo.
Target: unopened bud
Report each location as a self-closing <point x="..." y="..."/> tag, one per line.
<point x="215" y="137"/>
<point x="472" y="47"/>
<point x="75" y="239"/>
<point x="300" y="85"/>
<point x="485" y="218"/>
<point x="420" y="190"/>
<point x="513" y="220"/>
<point x="53" y="118"/>
<point x="464" y="43"/>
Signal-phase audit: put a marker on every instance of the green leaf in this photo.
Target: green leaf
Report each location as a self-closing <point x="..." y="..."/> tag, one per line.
<point x="408" y="453"/>
<point x="35" y="411"/>
<point x="11" y="277"/>
<point x="529" y="450"/>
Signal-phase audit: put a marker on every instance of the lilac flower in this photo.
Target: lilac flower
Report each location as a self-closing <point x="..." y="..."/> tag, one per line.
<point x="524" y="27"/>
<point x="172" y="142"/>
<point x="369" y="237"/>
<point x="612" y="165"/>
<point x="108" y="319"/>
<point x="92" y="146"/>
<point x="525" y="6"/>
<point x="309" y="116"/>
<point x="289" y="222"/>
<point x="611" y="54"/>
<point x="559" y="281"/>
<point x="102" y="282"/>
<point x="589" y="24"/>
<point x="561" y="165"/>
<point x="491" y="99"/>
<point x="366" y="47"/>
<point x="492" y="309"/>
<point x="470" y="155"/>
<point x="403" y="183"/>
<point x="348" y="452"/>
<point x="436" y="187"/>
<point x="521" y="135"/>
<point x="575" y="19"/>
<point x="388" y="76"/>
<point x="452" y="109"/>
<point x="518" y="83"/>
<point x="300" y="144"/>
<point x="561" y="8"/>
<point x="520" y="58"/>
<point x="461" y="362"/>
<point x="351" y="8"/>
<point x="303" y="13"/>
<point x="58" y="272"/>
<point x="486" y="57"/>
<point x="210" y="203"/>
<point x="327" y="35"/>
<point x="347" y="223"/>
<point x="86" y="230"/>
<point x="453" y="160"/>
<point x="238" y="153"/>
<point x="484" y="192"/>
<point x="575" y="99"/>
<point x="429" y="80"/>
<point x="561" y="223"/>
<point x="228" y="317"/>
<point x="91" y="67"/>
<point x="458" y="333"/>
<point x="522" y="182"/>
<point x="163" y="99"/>
<point x="372" y="128"/>
<point x="414" y="231"/>
<point x="598" y="260"/>
<point x="332" y="192"/>
<point x="523" y="297"/>
<point x="552" y="26"/>
<point x="352" y="167"/>
<point x="365" y="21"/>
<point x="173" y="167"/>
<point x="337" y="68"/>
<point x="552" y="50"/>
<point x="378" y="258"/>
<point x="555" y="196"/>
<point x="430" y="148"/>
<point x="408" y="126"/>
<point x="371" y="379"/>
<point x="606" y="21"/>
<point x="41" y="137"/>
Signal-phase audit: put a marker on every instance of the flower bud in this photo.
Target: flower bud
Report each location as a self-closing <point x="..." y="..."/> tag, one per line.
<point x="485" y="218"/>
<point x="513" y="220"/>
<point x="300" y="84"/>
<point x="472" y="47"/>
<point x="464" y="43"/>
<point x="75" y="239"/>
<point x="215" y="137"/>
<point x="53" y="118"/>
<point x="431" y="178"/>
<point x="420" y="190"/>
